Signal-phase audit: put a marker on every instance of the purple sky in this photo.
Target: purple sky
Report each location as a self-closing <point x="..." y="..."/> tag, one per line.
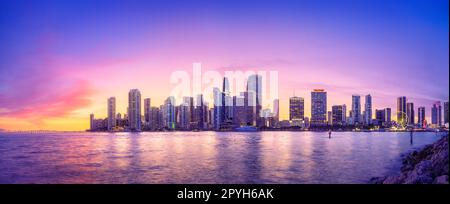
<point x="60" y="60"/>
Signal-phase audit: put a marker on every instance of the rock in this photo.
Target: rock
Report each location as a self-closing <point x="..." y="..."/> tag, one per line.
<point x="392" y="180"/>
<point x="377" y="180"/>
<point x="406" y="167"/>
<point x="423" y="167"/>
<point x="419" y="179"/>
<point x="441" y="179"/>
<point x="427" y="166"/>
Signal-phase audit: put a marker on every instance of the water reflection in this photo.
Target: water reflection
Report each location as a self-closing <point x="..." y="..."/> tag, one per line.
<point x="203" y="157"/>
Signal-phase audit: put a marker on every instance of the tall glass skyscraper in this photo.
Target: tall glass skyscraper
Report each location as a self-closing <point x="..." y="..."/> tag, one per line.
<point x="111" y="113"/>
<point x="134" y="110"/>
<point x="318" y="107"/>
<point x="91" y="122"/>
<point x="200" y="112"/>
<point x="410" y="113"/>
<point x="421" y="117"/>
<point x="254" y="88"/>
<point x="184" y="116"/>
<point x="401" y="109"/>
<point x="147" y="107"/>
<point x="446" y="119"/>
<point x="276" y="110"/>
<point x="219" y="110"/>
<point x="296" y="108"/>
<point x="436" y="117"/>
<point x="368" y="110"/>
<point x="190" y="101"/>
<point x="169" y="113"/>
<point x="356" y="109"/>
<point x="337" y="115"/>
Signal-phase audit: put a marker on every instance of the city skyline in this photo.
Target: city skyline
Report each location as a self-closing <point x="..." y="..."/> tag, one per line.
<point x="227" y="113"/>
<point x="61" y="61"/>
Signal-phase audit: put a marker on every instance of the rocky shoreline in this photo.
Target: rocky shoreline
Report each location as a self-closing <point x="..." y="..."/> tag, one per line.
<point x="427" y="166"/>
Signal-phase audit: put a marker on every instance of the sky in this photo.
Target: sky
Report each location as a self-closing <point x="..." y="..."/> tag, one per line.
<point x="60" y="60"/>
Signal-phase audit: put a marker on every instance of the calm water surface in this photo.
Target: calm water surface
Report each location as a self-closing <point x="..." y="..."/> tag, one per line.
<point x="203" y="157"/>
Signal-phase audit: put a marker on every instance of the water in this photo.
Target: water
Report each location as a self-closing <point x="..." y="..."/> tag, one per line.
<point x="203" y="157"/>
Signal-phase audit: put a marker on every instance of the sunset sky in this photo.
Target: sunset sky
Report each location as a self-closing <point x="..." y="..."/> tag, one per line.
<point x="60" y="60"/>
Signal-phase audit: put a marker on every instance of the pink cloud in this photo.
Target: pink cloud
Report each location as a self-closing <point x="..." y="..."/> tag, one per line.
<point x="44" y="89"/>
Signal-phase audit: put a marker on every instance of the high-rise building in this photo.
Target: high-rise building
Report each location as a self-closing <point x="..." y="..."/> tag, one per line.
<point x="296" y="108"/>
<point x="111" y="113"/>
<point x="380" y="115"/>
<point x="190" y="101"/>
<point x="401" y="110"/>
<point x="421" y="117"/>
<point x="134" y="110"/>
<point x="184" y="116"/>
<point x="276" y="110"/>
<point x="337" y="114"/>
<point x="147" y="106"/>
<point x="227" y="102"/>
<point x="254" y="87"/>
<point x="155" y="118"/>
<point x="206" y="114"/>
<point x="318" y="107"/>
<point x="200" y="112"/>
<point x="169" y="113"/>
<point x="446" y="119"/>
<point x="410" y="113"/>
<point x="344" y="114"/>
<point x="92" y="125"/>
<point x="249" y="107"/>
<point x="368" y="110"/>
<point x="219" y="108"/>
<point x="388" y="116"/>
<point x="356" y="109"/>
<point x="436" y="117"/>
<point x="329" y="118"/>
<point x="239" y="111"/>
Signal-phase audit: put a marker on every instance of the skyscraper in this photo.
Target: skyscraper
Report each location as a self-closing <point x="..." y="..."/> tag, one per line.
<point x="92" y="125"/>
<point x="249" y="108"/>
<point x="155" y="118"/>
<point x="401" y="109"/>
<point x="388" y="116"/>
<point x="337" y="112"/>
<point x="219" y="109"/>
<point x="134" y="110"/>
<point x="296" y="108"/>
<point x="169" y="113"/>
<point x="421" y="117"/>
<point x="318" y="107"/>
<point x="446" y="119"/>
<point x="111" y="113"/>
<point x="190" y="101"/>
<point x="329" y="118"/>
<point x="254" y="87"/>
<point x="227" y="102"/>
<point x="147" y="111"/>
<point x="199" y="109"/>
<point x="184" y="116"/>
<point x="344" y="114"/>
<point x="436" y="117"/>
<point x="276" y="109"/>
<point x="368" y="110"/>
<point x="240" y="114"/>
<point x="410" y="113"/>
<point x="380" y="115"/>
<point x="356" y="109"/>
